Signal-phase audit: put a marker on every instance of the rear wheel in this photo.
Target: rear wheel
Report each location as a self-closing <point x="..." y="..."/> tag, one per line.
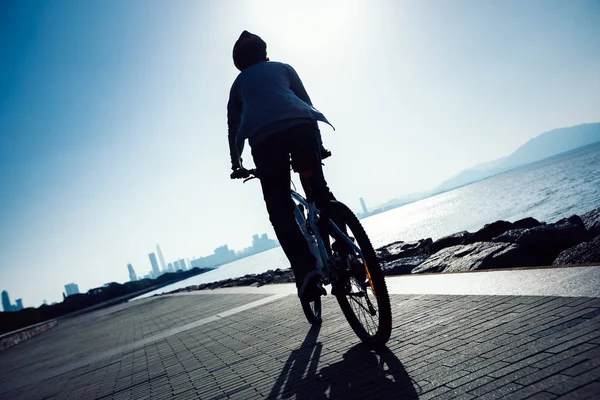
<point x="361" y="290"/>
<point x="312" y="310"/>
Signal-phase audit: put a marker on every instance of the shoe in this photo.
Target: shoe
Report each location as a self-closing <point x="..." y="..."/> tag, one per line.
<point x="337" y="288"/>
<point x="311" y="287"/>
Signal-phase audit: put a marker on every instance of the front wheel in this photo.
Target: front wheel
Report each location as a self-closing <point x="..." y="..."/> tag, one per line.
<point x="361" y="290"/>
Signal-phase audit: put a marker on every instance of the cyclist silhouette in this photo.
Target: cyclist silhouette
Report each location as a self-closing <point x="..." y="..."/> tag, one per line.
<point x="269" y="106"/>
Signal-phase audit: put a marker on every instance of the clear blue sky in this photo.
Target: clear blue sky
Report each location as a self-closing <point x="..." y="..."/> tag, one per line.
<point x="113" y="125"/>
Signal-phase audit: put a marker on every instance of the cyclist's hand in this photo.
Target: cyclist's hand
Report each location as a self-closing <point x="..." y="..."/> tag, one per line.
<point x="325" y="153"/>
<point x="239" y="173"/>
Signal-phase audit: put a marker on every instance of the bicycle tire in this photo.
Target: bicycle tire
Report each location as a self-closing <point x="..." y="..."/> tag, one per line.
<point x="375" y="278"/>
<point x="312" y="310"/>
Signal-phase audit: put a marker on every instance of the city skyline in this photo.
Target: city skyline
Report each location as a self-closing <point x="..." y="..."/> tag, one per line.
<point x="221" y="255"/>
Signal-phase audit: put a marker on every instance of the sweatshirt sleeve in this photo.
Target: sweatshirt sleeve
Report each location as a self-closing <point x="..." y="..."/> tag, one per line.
<point x="234" y="115"/>
<point x="297" y="86"/>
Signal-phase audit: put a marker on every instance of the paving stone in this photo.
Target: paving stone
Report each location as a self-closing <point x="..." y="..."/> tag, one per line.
<point x="586" y="392"/>
<point x="501" y="392"/>
<point x="461" y="391"/>
<point x="542" y="396"/>
<point x="515" y="366"/>
<point x="572" y="383"/>
<point x="548" y="371"/>
<point x="481" y="370"/>
<point x="556" y="357"/>
<point x="582" y="367"/>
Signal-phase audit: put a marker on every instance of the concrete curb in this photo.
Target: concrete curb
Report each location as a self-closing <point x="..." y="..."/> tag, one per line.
<point x="13" y="338"/>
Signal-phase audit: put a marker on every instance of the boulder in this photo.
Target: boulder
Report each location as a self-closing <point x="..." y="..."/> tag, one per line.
<point x="583" y="253"/>
<point x="447" y="241"/>
<point x="403" y="266"/>
<point x="543" y="243"/>
<point x="283" y="276"/>
<point x="402" y="249"/>
<point x="489" y="231"/>
<point x="243" y="281"/>
<point x="526" y="223"/>
<point x="388" y="249"/>
<point x="480" y="255"/>
<point x="591" y="220"/>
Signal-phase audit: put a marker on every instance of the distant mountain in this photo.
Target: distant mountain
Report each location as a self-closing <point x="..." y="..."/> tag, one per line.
<point x="545" y="145"/>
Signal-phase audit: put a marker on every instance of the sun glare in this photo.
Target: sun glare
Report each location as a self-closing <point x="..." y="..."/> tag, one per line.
<point x="309" y="25"/>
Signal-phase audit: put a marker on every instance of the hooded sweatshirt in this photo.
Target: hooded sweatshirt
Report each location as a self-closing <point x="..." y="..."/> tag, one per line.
<point x="266" y="98"/>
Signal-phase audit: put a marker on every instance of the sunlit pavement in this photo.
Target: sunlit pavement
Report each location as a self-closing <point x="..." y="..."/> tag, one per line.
<point x="498" y="334"/>
<point x="539" y="281"/>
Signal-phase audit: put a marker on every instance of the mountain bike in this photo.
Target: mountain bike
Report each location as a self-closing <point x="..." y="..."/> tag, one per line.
<point x="347" y="261"/>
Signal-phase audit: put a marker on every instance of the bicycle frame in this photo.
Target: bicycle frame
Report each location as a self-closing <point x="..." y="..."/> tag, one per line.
<point x="312" y="210"/>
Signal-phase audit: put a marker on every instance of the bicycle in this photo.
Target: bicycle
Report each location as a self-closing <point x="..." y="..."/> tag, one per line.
<point x="350" y="265"/>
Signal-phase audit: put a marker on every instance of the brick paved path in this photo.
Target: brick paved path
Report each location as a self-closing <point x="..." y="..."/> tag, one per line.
<point x="441" y="347"/>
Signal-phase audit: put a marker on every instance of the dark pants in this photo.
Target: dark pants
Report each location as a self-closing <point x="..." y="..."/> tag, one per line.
<point x="272" y="159"/>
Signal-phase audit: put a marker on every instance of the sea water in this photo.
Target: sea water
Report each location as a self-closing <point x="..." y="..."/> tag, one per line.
<point x="547" y="190"/>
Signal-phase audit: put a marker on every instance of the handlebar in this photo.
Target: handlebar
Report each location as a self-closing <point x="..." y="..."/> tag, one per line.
<point x="249" y="174"/>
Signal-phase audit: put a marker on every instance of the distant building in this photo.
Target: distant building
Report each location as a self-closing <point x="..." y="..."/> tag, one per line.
<point x="260" y="243"/>
<point x="6" y="302"/>
<point x="19" y="305"/>
<point x="155" y="270"/>
<point x="171" y="267"/>
<point x="364" y="206"/>
<point x="132" y="275"/>
<point x="200" y="262"/>
<point x="182" y="265"/>
<point x="71" y="289"/>
<point x="221" y="255"/>
<point x="163" y="265"/>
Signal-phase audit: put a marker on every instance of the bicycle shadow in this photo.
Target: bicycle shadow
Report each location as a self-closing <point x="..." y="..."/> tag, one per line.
<point x="363" y="373"/>
<point x="302" y="361"/>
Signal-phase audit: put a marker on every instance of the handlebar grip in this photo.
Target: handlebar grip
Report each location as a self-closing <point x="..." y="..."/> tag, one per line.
<point x="240" y="173"/>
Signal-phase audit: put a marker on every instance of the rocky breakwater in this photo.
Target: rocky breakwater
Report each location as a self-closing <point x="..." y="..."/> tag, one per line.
<point x="501" y="244"/>
<point x="269" y="277"/>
